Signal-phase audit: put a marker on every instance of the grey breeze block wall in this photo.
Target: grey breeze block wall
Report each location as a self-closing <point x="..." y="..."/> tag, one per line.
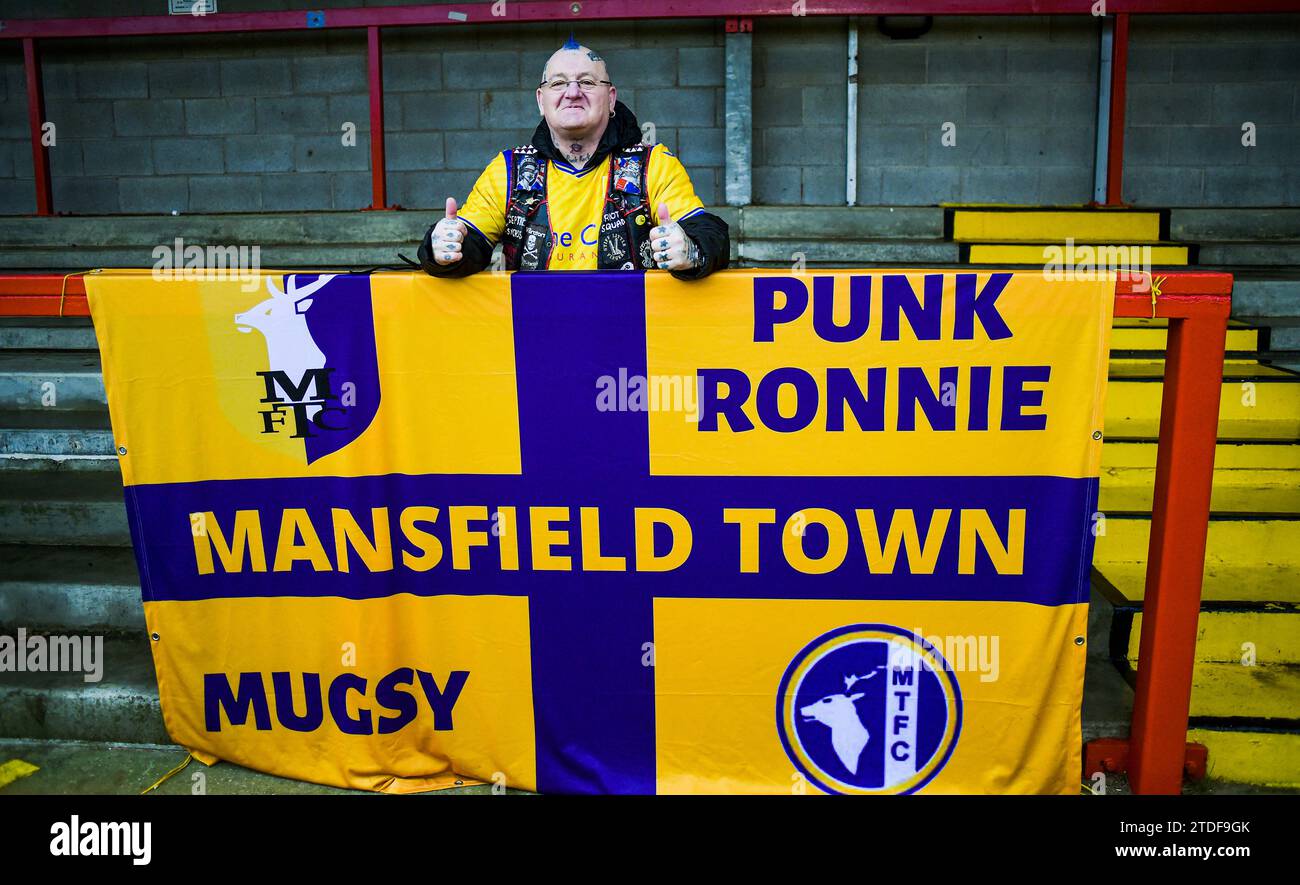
<point x="1193" y="83"/>
<point x="1020" y="94"/>
<point x="252" y="122"/>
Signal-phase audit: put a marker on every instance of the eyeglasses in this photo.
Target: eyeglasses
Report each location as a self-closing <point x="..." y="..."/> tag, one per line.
<point x="586" y="84"/>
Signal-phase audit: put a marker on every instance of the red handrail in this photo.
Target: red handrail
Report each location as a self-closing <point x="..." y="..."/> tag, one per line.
<point x="1197" y="307"/>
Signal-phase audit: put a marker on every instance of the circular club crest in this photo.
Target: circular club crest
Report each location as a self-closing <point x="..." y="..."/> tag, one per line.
<point x="869" y="709"/>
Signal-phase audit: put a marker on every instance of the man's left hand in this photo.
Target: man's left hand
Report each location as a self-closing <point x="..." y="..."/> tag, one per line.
<point x="671" y="248"/>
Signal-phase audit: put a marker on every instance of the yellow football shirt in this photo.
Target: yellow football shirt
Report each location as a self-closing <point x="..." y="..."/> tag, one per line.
<point x="576" y="200"/>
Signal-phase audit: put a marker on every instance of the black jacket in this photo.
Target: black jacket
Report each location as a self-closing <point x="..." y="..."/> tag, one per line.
<point x="708" y="231"/>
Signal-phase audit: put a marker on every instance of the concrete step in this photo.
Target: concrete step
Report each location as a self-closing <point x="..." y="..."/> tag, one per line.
<point x="1248" y="477"/>
<point x="141" y="233"/>
<point x="48" y="464"/>
<point x="1239" y="635"/>
<point x="47" y="333"/>
<point x="324" y="228"/>
<point x="1249" y="254"/>
<point x="1255" y="560"/>
<point x="1244" y="636"/>
<point x="88" y="769"/>
<point x="1246" y="716"/>
<point x="1226" y="225"/>
<point x="65" y="381"/>
<point x="50" y="432"/>
<point x="70" y="588"/>
<point x="1284" y="344"/>
<point x="1259" y="299"/>
<point x="1247" y="659"/>
<point x="350" y="239"/>
<point x="854" y="223"/>
<point x="122" y="707"/>
<point x="1284" y="338"/>
<point x="1222" y="582"/>
<point x="1247" y="752"/>
<point x="1229" y="690"/>
<point x="1251" y="408"/>
<point x="1107" y="695"/>
<point x="785" y="252"/>
<point x="66" y="507"/>
<point x="326" y="256"/>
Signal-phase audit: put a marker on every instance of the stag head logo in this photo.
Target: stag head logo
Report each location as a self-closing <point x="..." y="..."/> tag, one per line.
<point x="321" y="376"/>
<point x="838" y="713"/>
<point x="869" y="708"/>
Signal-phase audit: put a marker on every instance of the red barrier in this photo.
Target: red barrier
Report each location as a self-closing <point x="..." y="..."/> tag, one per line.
<point x="1196" y="306"/>
<point x="1118" y="105"/>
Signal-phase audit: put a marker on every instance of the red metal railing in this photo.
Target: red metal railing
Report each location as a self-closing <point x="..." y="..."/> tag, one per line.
<point x="1118" y="104"/>
<point x="574" y="11"/>
<point x="1196" y="306"/>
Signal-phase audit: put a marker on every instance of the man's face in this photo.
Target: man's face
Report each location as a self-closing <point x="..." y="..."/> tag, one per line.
<point x="571" y="110"/>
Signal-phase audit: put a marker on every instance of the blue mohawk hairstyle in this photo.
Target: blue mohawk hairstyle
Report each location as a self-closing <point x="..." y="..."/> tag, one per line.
<point x="571" y="43"/>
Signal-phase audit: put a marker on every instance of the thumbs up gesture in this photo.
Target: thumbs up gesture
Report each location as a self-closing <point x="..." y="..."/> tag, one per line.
<point x="671" y="248"/>
<point x="448" y="236"/>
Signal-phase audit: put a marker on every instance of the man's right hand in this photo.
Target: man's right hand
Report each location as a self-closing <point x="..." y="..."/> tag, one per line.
<point x="448" y="236"/>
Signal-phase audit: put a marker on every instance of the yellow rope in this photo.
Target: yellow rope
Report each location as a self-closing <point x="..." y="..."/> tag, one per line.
<point x="1155" y="291"/>
<point x="162" y="780"/>
<point x="63" y="290"/>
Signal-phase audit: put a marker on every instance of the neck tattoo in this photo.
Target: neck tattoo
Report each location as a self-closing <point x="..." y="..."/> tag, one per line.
<point x="577" y="153"/>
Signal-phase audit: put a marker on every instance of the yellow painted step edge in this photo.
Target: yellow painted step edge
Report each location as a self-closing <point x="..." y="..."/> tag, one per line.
<point x="1230" y="584"/>
<point x="1039" y="253"/>
<point x="1224" y="691"/>
<point x="1251" y="757"/>
<point x="973" y="225"/>
<point x="1229" y="458"/>
<point x="1264" y="543"/>
<point x="1222" y="637"/>
<point x="1269" y="409"/>
<point x="1234" y="491"/>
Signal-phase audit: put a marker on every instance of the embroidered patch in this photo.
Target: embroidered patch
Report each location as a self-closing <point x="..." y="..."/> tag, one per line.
<point x="526" y="178"/>
<point x="627" y="175"/>
<point x="612" y="246"/>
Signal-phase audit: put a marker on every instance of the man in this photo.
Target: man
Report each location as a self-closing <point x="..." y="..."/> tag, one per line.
<point x="580" y="196"/>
